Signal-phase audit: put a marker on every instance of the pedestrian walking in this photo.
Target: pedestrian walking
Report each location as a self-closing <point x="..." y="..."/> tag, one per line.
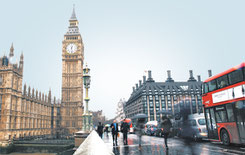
<point x="139" y="129"/>
<point x="166" y="125"/>
<point x="124" y="130"/>
<point x="100" y="128"/>
<point x="114" y="132"/>
<point x="106" y="130"/>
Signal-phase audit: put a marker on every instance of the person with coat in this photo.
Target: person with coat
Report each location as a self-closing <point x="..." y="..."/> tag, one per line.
<point x="114" y="132"/>
<point x="166" y="125"/>
<point x="124" y="130"/>
<point x="100" y="128"/>
<point x="139" y="128"/>
<point x="106" y="130"/>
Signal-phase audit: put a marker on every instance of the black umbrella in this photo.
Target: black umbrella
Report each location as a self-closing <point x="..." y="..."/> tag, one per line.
<point x="166" y="112"/>
<point x="139" y="116"/>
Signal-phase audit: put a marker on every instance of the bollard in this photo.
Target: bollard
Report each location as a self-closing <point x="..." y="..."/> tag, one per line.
<point x="93" y="145"/>
<point x="80" y="136"/>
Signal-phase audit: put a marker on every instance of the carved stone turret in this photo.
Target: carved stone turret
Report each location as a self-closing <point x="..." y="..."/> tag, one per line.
<point x="49" y="96"/>
<point x="33" y="93"/>
<point x="21" y="63"/>
<point x="46" y="98"/>
<point x="37" y="94"/>
<point x="11" y="52"/>
<point x="24" y="91"/>
<point x="54" y="100"/>
<point x="40" y="96"/>
<point x="29" y="91"/>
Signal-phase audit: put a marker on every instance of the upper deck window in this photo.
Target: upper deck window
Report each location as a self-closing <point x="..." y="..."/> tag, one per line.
<point x="222" y="81"/>
<point x="235" y="76"/>
<point x="212" y="85"/>
<point x="205" y="88"/>
<point x="225" y="80"/>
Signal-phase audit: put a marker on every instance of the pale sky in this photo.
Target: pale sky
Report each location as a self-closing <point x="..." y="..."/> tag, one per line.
<point x="122" y="39"/>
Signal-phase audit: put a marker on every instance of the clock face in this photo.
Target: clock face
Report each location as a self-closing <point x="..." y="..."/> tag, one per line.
<point x="71" y="48"/>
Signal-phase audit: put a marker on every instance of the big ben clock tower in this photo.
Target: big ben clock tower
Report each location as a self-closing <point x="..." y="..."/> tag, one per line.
<point x="72" y="82"/>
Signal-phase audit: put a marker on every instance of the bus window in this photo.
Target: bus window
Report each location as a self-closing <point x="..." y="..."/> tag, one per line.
<point x="212" y="85"/>
<point x="220" y="114"/>
<point x="243" y="73"/>
<point x="235" y="76"/>
<point x="240" y="105"/>
<point x="205" y="88"/>
<point x="230" y="113"/>
<point x="222" y="81"/>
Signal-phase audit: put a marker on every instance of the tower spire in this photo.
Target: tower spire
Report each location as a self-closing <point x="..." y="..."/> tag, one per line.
<point x="73" y="16"/>
<point x="11" y="53"/>
<point x="21" y="63"/>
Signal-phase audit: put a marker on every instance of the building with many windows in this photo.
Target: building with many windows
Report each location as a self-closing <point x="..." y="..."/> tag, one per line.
<point x="24" y="112"/>
<point x="150" y="97"/>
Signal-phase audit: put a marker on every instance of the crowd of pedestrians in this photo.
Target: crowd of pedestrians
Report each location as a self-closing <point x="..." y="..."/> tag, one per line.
<point x="139" y="130"/>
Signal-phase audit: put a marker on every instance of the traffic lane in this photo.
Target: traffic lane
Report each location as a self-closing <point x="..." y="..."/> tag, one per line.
<point x="156" y="145"/>
<point x="197" y="147"/>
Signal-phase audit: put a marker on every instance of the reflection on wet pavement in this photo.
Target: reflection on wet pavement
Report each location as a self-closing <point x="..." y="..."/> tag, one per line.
<point x="155" y="146"/>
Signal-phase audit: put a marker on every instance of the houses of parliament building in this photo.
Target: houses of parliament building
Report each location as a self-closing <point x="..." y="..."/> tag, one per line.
<point x="25" y="112"/>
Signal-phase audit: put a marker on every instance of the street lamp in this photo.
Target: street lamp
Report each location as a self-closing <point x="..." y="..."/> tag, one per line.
<point x="86" y="82"/>
<point x="87" y="117"/>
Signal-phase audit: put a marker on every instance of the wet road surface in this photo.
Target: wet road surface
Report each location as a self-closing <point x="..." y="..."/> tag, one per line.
<point x="155" y="146"/>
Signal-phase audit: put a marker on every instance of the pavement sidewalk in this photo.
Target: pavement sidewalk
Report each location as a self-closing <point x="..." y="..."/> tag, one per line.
<point x="147" y="148"/>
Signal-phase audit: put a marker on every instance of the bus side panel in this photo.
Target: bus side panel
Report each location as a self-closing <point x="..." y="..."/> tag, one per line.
<point x="232" y="130"/>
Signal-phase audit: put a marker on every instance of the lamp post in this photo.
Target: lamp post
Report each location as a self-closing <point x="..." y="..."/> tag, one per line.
<point x="87" y="117"/>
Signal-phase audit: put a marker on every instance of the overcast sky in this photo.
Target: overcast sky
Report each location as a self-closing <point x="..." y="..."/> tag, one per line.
<point x="122" y="39"/>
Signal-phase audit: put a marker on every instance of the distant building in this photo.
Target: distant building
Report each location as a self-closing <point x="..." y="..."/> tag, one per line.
<point x="149" y="97"/>
<point x="98" y="117"/>
<point x="120" y="110"/>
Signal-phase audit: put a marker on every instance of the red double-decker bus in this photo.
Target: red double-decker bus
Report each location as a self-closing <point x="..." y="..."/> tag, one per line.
<point x="224" y="106"/>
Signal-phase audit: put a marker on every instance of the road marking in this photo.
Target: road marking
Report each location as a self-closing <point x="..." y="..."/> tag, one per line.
<point x="234" y="151"/>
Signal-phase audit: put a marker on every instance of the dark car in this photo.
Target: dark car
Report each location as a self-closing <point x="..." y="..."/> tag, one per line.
<point x="158" y="131"/>
<point x="151" y="130"/>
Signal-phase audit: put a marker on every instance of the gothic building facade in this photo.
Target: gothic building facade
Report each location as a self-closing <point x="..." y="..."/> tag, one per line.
<point x="23" y="112"/>
<point x="26" y="113"/>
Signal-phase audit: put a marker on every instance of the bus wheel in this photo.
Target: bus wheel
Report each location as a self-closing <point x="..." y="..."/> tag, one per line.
<point x="225" y="137"/>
